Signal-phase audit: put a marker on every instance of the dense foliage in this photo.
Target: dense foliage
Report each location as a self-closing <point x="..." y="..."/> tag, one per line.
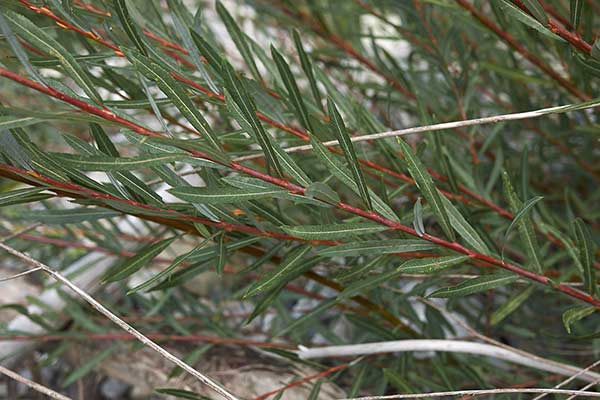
<point x="211" y="151"/>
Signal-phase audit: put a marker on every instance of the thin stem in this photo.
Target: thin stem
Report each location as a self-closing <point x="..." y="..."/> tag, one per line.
<point x="296" y="189"/>
<point x="478" y="393"/>
<point x="443" y="126"/>
<point x="122" y="324"/>
<point x="442" y="345"/>
<point x="512" y="42"/>
<point x="34" y="385"/>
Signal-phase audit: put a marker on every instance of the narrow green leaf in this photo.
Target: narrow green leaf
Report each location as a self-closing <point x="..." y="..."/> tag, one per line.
<point x="9" y="198"/>
<point x="264" y="303"/>
<point x="359" y="270"/>
<point x="567" y="242"/>
<point x="586" y="246"/>
<point x="290" y="267"/>
<point x="575" y="314"/>
<point x="536" y="10"/>
<point x="430" y="265"/>
<point x="130" y="28"/>
<point x="510" y="305"/>
<point x="425" y="184"/>
<point x="522" y="212"/>
<point x="244" y="108"/>
<point x="135" y="263"/>
<point x="323" y="192"/>
<point x="364" y="284"/>
<point x="576" y="6"/>
<point x="521" y="16"/>
<point x="206" y="49"/>
<point x="475" y="285"/>
<point x="239" y="38"/>
<point x="71" y="215"/>
<point x="524" y="222"/>
<point x="223" y="195"/>
<point x="41" y="40"/>
<point x="418" y="217"/>
<point x="315" y="312"/>
<point x="174" y="91"/>
<point x="9" y="122"/>
<point x="221" y="254"/>
<point x="370" y="247"/>
<point x="292" y="88"/>
<point x="336" y="231"/>
<point x="107" y="163"/>
<point x="187" y="257"/>
<point x="307" y="67"/>
<point x="87" y="367"/>
<point x="337" y="168"/>
<point x="463" y="228"/>
<point x="349" y="153"/>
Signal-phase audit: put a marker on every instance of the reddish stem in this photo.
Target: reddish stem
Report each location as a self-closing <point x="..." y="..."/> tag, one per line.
<point x="512" y="42"/>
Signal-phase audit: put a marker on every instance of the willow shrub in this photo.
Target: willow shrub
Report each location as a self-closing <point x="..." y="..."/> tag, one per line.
<point x="181" y="119"/>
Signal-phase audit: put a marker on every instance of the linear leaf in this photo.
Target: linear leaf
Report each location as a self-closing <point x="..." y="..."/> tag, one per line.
<point x="244" y="108"/>
<point x="349" y="153"/>
<point x="9" y="122"/>
<point x="418" y="218"/>
<point x="430" y="265"/>
<point x="315" y="312"/>
<point x="475" y="285"/>
<point x="88" y="366"/>
<point x="536" y="10"/>
<point x="40" y="39"/>
<point x="340" y="171"/>
<point x="365" y="284"/>
<point x="511" y="305"/>
<point x="221" y="254"/>
<point x="575" y="314"/>
<point x="522" y="212"/>
<point x="15" y="196"/>
<point x="336" y="231"/>
<point x="187" y="257"/>
<point x="264" y="303"/>
<point x="71" y="215"/>
<point x="525" y="225"/>
<point x="359" y="270"/>
<point x="107" y="163"/>
<point x="370" y="247"/>
<point x="223" y="195"/>
<point x="135" y="263"/>
<point x="174" y="91"/>
<point x="239" y="38"/>
<point x="130" y="28"/>
<point x="521" y="16"/>
<point x="586" y="246"/>
<point x="463" y="228"/>
<point x="292" y="88"/>
<point x="425" y="184"/>
<point x="576" y="6"/>
<point x="290" y="267"/>
<point x="307" y="67"/>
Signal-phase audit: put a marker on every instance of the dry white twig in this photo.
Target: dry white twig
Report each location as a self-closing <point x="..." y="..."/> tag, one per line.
<point x="575" y="371"/>
<point x="589" y="385"/>
<point x="20" y="274"/>
<point x="34" y="385"/>
<point x="478" y="393"/>
<point x="442" y="126"/>
<point x="452" y="346"/>
<point x="122" y="324"/>
<point x="563" y="383"/>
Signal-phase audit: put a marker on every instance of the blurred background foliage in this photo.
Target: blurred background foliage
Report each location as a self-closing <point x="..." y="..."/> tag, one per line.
<point x="122" y="165"/>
